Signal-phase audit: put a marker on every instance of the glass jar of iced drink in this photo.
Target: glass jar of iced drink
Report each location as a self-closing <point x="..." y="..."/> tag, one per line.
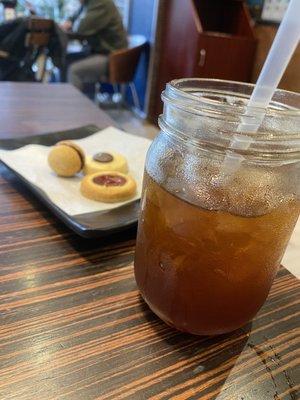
<point x="211" y="237"/>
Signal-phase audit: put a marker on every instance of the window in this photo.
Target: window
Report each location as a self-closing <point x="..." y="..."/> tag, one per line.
<point x="62" y="9"/>
<point x="124" y="8"/>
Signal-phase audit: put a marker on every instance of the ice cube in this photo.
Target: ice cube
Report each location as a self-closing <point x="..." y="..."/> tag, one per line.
<point x="253" y="192"/>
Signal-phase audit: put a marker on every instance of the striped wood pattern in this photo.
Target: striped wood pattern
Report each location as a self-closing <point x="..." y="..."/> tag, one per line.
<point x="72" y="325"/>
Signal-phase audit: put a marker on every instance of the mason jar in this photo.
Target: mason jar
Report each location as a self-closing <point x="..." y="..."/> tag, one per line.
<point x="219" y="204"/>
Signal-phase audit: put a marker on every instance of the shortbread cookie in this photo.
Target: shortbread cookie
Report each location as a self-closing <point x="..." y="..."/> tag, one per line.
<point x="66" y="158"/>
<point x="108" y="187"/>
<point x="105" y="161"/>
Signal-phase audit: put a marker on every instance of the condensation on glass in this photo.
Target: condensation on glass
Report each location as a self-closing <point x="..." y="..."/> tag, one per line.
<point x="210" y="240"/>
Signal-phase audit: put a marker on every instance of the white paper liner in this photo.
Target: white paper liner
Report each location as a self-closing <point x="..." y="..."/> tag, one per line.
<point x="31" y="162"/>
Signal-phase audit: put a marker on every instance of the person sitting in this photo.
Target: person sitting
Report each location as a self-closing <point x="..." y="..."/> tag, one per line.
<point x="100" y="24"/>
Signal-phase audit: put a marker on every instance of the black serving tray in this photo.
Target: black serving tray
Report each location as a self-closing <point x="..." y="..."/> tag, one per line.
<point x="94" y="224"/>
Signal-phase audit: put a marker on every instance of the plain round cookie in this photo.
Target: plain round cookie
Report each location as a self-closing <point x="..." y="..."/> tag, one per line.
<point x="105" y="161"/>
<point x="108" y="187"/>
<point x="66" y="158"/>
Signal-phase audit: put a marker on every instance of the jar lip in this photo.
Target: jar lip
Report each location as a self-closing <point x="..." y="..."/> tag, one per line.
<point x="210" y="112"/>
<point x="259" y="151"/>
<point x="176" y="88"/>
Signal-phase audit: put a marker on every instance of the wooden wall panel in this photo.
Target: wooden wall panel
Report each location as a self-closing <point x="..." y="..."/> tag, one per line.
<point x="265" y="35"/>
<point x="222" y="29"/>
<point x="176" y="48"/>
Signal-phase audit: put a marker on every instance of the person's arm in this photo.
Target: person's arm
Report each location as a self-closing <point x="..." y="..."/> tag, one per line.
<point x="66" y="26"/>
<point x="96" y="19"/>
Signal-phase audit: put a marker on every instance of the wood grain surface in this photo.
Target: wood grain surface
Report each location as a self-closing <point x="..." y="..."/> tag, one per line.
<point x="34" y="108"/>
<point x="73" y="326"/>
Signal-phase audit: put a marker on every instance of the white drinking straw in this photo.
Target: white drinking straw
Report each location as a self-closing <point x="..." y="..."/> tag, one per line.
<point x="282" y="49"/>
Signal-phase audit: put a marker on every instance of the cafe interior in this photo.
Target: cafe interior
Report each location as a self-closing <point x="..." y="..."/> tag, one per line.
<point x="150" y="192"/>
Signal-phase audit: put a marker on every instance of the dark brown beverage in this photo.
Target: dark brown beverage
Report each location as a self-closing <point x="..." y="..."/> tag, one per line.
<point x="207" y="272"/>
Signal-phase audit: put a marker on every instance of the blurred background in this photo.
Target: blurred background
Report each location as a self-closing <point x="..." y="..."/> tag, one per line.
<point x="227" y="39"/>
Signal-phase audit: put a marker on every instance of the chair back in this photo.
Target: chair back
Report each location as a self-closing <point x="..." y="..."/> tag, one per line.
<point x="123" y="62"/>
<point x="39" y="32"/>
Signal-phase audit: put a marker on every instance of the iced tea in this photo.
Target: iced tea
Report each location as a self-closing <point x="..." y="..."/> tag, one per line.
<point x="207" y="271"/>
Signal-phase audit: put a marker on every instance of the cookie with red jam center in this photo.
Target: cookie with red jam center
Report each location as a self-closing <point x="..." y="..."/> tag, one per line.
<point x="108" y="187"/>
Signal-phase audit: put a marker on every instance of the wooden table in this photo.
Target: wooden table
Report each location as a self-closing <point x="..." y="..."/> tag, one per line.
<point x="73" y="326"/>
<point x="28" y="109"/>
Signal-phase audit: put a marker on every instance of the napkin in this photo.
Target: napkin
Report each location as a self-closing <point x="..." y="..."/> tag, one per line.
<point x="31" y="162"/>
<point x="291" y="258"/>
